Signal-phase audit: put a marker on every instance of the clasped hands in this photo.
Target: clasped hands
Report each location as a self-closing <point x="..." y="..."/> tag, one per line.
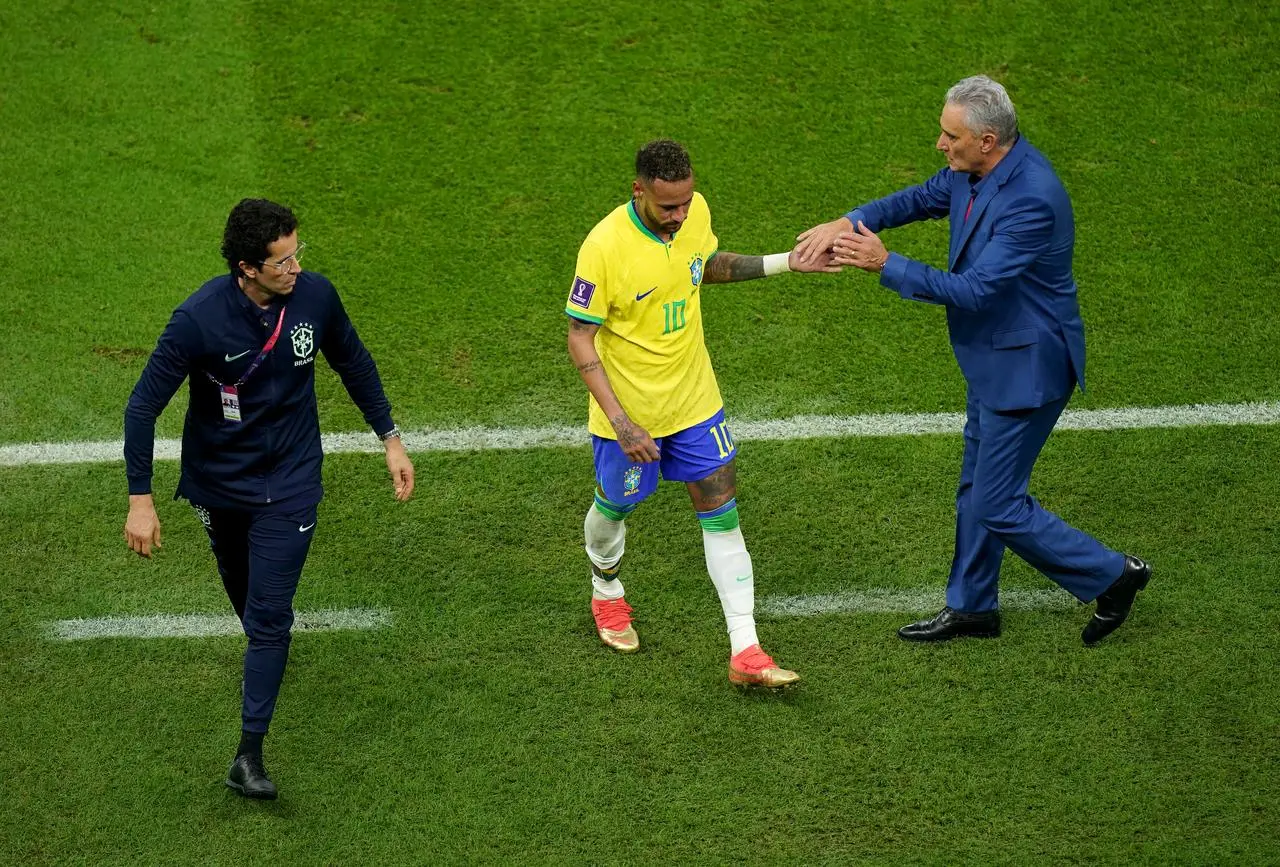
<point x="841" y="243"/>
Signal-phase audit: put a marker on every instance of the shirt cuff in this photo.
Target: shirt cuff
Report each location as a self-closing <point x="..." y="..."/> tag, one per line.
<point x="854" y="216"/>
<point x="894" y="272"/>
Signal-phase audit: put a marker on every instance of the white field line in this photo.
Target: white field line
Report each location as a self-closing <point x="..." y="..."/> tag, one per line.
<point x="207" y="625"/>
<point x="794" y="428"/>
<point x="873" y="600"/>
<point x="883" y="600"/>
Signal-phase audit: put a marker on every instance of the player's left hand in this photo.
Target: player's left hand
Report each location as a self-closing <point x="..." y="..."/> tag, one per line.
<point x="861" y="249"/>
<point x="401" y="468"/>
<point x="819" y="260"/>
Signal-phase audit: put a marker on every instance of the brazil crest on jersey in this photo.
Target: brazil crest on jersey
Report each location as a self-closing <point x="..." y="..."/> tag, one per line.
<point x="644" y="294"/>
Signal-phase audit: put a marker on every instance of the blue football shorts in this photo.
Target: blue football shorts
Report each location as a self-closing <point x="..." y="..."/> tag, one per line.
<point x="689" y="455"/>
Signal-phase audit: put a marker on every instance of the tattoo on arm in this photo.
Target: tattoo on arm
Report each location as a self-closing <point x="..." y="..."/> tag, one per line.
<point x="579" y="333"/>
<point x="733" y="267"/>
<point x="625" y="430"/>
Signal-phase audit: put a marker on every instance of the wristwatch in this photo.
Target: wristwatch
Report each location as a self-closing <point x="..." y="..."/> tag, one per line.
<point x="394" y="432"/>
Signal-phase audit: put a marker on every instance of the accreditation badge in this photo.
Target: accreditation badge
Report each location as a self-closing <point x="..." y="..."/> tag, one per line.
<point x="230" y="403"/>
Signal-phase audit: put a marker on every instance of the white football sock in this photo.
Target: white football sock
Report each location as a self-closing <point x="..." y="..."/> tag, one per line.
<point x="729" y="565"/>
<point x="605" y="545"/>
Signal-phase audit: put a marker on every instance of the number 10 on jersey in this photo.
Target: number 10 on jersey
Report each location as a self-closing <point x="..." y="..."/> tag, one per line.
<point x="673" y="316"/>
<point x="720" y="433"/>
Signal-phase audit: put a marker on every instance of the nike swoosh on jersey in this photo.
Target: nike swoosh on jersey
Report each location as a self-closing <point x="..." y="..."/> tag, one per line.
<point x="640" y="297"/>
<point x="234" y="357"/>
<point x="306" y="528"/>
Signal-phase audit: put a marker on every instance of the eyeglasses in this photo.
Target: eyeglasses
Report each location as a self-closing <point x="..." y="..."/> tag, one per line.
<point x="286" y="264"/>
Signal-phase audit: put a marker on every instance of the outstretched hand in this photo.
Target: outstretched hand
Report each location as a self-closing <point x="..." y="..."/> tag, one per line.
<point x="861" y="249"/>
<point x="818" y="240"/>
<point x="823" y="261"/>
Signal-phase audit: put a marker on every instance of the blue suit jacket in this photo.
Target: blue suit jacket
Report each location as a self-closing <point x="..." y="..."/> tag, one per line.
<point x="1012" y="310"/>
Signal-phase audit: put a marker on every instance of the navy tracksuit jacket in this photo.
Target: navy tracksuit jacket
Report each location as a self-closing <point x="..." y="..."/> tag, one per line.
<point x="255" y="482"/>
<point x="272" y="456"/>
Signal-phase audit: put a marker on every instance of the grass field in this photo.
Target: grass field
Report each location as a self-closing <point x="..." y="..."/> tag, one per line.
<point x="446" y="163"/>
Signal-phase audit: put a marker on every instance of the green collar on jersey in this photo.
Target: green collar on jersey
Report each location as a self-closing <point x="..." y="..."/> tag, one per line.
<point x="635" y="218"/>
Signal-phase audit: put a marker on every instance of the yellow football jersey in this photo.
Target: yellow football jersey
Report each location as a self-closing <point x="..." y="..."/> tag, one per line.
<point x="644" y="294"/>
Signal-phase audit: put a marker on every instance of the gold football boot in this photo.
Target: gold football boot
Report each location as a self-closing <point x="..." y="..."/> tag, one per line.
<point x="613" y="623"/>
<point x="754" y="667"/>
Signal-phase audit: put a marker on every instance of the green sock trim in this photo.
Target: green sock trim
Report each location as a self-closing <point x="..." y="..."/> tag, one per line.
<point x="721" y="523"/>
<point x="612" y="511"/>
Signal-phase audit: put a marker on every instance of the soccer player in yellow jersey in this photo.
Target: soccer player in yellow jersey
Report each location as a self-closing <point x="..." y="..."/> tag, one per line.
<point x="635" y="333"/>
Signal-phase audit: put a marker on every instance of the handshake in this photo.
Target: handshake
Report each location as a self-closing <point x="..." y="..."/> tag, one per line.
<point x="831" y="246"/>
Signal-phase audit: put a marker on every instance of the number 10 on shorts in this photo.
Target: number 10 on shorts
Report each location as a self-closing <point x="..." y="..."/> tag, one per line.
<point x="720" y="433"/>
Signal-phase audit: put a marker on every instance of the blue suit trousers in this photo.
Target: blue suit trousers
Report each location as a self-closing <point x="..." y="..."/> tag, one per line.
<point x="995" y="512"/>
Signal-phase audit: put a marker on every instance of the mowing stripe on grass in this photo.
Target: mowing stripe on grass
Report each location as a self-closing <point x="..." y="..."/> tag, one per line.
<point x="794" y="428"/>
<point x="885" y="600"/>
<point x="207" y="625"/>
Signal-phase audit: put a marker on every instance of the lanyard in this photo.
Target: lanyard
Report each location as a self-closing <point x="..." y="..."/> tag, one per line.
<point x="271" y="343"/>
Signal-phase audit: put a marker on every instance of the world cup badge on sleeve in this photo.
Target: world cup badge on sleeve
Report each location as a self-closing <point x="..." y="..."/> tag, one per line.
<point x="580" y="294"/>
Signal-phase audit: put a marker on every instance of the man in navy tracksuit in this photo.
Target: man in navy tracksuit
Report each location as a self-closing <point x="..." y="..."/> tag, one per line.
<point x="246" y="342"/>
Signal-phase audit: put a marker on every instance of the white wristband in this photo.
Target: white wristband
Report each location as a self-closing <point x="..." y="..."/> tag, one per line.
<point x="777" y="263"/>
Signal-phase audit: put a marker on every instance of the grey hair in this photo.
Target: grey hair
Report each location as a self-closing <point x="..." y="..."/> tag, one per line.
<point x="987" y="108"/>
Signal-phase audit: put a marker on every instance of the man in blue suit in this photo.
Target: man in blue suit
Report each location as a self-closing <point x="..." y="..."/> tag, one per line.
<point x="1015" y="327"/>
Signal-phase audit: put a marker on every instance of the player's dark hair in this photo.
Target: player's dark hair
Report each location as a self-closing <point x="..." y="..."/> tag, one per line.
<point x="663" y="159"/>
<point x="252" y="225"/>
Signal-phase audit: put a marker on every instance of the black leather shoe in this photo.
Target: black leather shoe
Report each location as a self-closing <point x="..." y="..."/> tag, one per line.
<point x="1116" y="601"/>
<point x="248" y="777"/>
<point x="949" y="623"/>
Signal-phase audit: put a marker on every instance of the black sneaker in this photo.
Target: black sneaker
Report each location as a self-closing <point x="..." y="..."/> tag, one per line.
<point x="1116" y="601"/>
<point x="248" y="777"/>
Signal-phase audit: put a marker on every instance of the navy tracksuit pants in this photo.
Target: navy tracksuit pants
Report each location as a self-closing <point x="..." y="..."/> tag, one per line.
<point x="260" y="556"/>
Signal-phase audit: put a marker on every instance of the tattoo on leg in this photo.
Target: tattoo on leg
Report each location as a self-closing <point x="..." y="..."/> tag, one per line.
<point x="716" y="489"/>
